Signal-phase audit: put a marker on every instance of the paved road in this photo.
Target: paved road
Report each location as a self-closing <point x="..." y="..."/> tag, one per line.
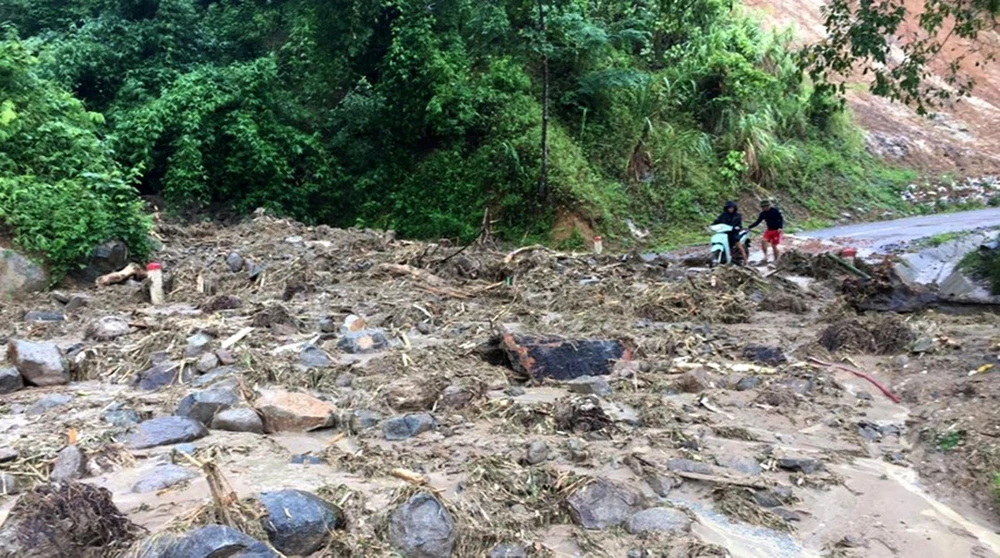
<point x="885" y="235"/>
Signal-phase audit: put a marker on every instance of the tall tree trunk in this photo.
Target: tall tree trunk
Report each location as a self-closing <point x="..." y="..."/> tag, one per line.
<point x="543" y="178"/>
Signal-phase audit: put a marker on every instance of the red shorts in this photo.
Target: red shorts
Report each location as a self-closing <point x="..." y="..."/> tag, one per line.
<point x="773" y="237"/>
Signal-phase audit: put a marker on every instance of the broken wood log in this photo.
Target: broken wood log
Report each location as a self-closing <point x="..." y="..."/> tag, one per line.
<point x="122" y="275"/>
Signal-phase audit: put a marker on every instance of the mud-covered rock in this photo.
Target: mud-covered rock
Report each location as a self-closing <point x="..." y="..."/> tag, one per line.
<point x="800" y="465"/>
<point x="120" y="415"/>
<point x="235" y="262"/>
<point x="197" y="344"/>
<point x="163" y="431"/>
<point x="40" y="364"/>
<point x="508" y="551"/>
<point x="363" y="419"/>
<point x="658" y="520"/>
<point x="9" y="485"/>
<point x="299" y="523"/>
<point x="48" y="402"/>
<point x="70" y="464"/>
<point x="537" y="452"/>
<point x="202" y="406"/>
<point x="773" y="497"/>
<point x="210" y="541"/>
<point x="745" y="465"/>
<point x="162" y="477"/>
<point x="689" y="466"/>
<point x="206" y="363"/>
<point x="20" y="276"/>
<point x="108" y="328"/>
<point x="408" y="426"/>
<point x="694" y="381"/>
<point x="590" y="385"/>
<point x="162" y="375"/>
<point x="422" y="528"/>
<point x="603" y="504"/>
<point x="748" y="383"/>
<point x="314" y="357"/>
<point x="764" y="354"/>
<point x="285" y="411"/>
<point x="106" y="258"/>
<point x="10" y="380"/>
<point x="238" y="420"/>
<point x="43" y="316"/>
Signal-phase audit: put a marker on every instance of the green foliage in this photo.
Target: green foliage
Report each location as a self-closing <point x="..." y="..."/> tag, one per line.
<point x="61" y="192"/>
<point x="985" y="265"/>
<point x="422" y="117"/>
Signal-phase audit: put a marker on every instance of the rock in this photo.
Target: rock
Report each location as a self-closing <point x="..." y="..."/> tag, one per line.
<point x="197" y="344"/>
<point x="206" y="363"/>
<point x="215" y="375"/>
<point x="71" y="464"/>
<point x="508" y="551"/>
<point x="163" y="477"/>
<point x="40" y="364"/>
<point x="578" y="451"/>
<point x="556" y="358"/>
<point x="787" y="515"/>
<point x="77" y="302"/>
<point x="353" y="324"/>
<point x="20" y="276"/>
<point x="745" y="465"/>
<point x="455" y="397"/>
<point x="590" y="385"/>
<point x="202" y="406"/>
<point x="162" y="375"/>
<point x="763" y="354"/>
<point x="210" y="541"/>
<point x="8" y="454"/>
<point x="47" y="403"/>
<point x="299" y="523"/>
<point x="800" y="386"/>
<point x="327" y="325"/>
<point x="253" y="270"/>
<point x="314" y="357"/>
<point x="864" y="396"/>
<point x="108" y="328"/>
<point x="344" y="380"/>
<point x="8" y="484"/>
<point x="163" y="431"/>
<point x="235" y="262"/>
<point x="773" y="497"/>
<point x="747" y="383"/>
<point x="238" y="420"/>
<point x="537" y="452"/>
<point x="305" y="459"/>
<point x="408" y="426"/>
<point x="363" y="419"/>
<point x="694" y="381"/>
<point x="225" y="357"/>
<point x="424" y="328"/>
<point x="106" y="258"/>
<point x="923" y="345"/>
<point x="603" y="504"/>
<point x="365" y="341"/>
<point x="285" y="411"/>
<point x="660" y="483"/>
<point x="40" y="316"/>
<point x="118" y="415"/>
<point x="806" y="466"/>
<point x="422" y="528"/>
<point x="689" y="466"/>
<point x="659" y="520"/>
<point x="10" y="380"/>
<point x="185" y="449"/>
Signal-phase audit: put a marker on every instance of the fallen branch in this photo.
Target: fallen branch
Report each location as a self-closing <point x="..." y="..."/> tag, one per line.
<point x="843" y="263"/>
<point x="409" y="476"/>
<point x="717" y="479"/>
<point x="859" y="374"/>
<point x="510" y="257"/>
<point x="401" y="270"/>
<point x="120" y="276"/>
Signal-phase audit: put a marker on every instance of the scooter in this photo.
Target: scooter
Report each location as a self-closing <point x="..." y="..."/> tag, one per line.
<point x="720" y="245"/>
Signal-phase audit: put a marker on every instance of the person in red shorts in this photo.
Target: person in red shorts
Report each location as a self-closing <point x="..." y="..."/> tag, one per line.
<point x="775" y="223"/>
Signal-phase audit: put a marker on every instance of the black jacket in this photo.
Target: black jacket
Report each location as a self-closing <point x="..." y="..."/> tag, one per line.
<point x="774" y="219"/>
<point x="734" y="219"/>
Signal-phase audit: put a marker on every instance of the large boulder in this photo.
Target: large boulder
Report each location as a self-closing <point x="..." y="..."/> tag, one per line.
<point x="40" y="364"/>
<point x="202" y="406"/>
<point x="108" y="328"/>
<point x="70" y="464"/>
<point x="603" y="504"/>
<point x="20" y="276"/>
<point x="162" y="431"/>
<point x="286" y="411"/>
<point x="408" y="426"/>
<point x="299" y="523"/>
<point x="422" y="528"/>
<point x="210" y="541"/>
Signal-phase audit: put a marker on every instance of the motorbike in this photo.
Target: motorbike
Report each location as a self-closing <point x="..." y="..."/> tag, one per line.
<point x="721" y="252"/>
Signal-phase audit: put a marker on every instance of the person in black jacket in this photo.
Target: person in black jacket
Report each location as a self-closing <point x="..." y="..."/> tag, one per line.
<point x="775" y="224"/>
<point x="731" y="216"/>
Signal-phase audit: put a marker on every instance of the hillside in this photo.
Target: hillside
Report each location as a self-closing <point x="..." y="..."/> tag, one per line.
<point x="961" y="140"/>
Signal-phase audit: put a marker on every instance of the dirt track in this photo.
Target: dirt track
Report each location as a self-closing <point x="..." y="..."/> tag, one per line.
<point x="691" y="422"/>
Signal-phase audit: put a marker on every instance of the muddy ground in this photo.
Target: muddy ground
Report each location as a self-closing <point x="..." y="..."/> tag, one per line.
<point x="718" y="410"/>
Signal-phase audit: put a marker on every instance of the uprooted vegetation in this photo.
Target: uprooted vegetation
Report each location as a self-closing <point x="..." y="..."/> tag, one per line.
<point x="400" y="345"/>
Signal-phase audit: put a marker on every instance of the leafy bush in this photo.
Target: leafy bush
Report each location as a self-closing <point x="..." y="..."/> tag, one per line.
<point x="61" y="193"/>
